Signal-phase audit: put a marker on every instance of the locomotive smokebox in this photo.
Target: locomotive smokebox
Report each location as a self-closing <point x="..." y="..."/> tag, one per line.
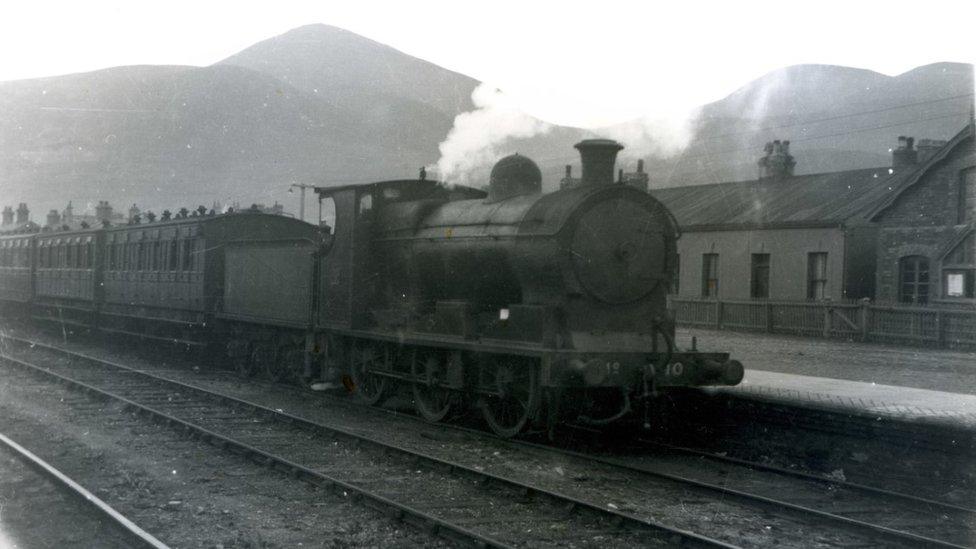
<point x="598" y="157"/>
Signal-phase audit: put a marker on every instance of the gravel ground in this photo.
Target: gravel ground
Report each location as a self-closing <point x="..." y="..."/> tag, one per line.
<point x="935" y="369"/>
<point x="187" y="493"/>
<point x="602" y="485"/>
<point x="29" y="499"/>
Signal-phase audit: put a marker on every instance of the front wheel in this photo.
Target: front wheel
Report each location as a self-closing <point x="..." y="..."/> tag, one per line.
<point x="429" y="370"/>
<point x="366" y="358"/>
<point x="512" y="396"/>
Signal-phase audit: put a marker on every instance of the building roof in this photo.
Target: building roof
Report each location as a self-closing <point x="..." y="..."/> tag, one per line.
<point x="965" y="136"/>
<point x="816" y="200"/>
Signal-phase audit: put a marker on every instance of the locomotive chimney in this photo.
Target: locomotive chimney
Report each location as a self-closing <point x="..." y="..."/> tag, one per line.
<point x="598" y="158"/>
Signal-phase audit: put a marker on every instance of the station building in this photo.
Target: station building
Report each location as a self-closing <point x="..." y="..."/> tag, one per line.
<point x="926" y="251"/>
<point x="899" y="233"/>
<point x="780" y="237"/>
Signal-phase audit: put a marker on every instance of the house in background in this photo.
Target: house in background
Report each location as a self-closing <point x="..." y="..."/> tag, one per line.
<point x="781" y="236"/>
<point x="926" y="251"/>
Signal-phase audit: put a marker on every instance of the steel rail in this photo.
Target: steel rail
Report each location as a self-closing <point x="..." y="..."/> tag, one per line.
<point x="137" y="535"/>
<point x="772" y="502"/>
<point x="568" y="502"/>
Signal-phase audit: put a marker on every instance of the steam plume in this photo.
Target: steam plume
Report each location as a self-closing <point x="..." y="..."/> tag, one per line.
<point x="474" y="140"/>
<point x="660" y="137"/>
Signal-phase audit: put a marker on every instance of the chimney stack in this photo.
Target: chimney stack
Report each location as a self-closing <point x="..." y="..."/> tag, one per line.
<point x="905" y="155"/>
<point x="928" y="147"/>
<point x="53" y="218"/>
<point x="8" y="215"/>
<point x="598" y="158"/>
<point x="103" y="212"/>
<point x="569" y="171"/>
<point x="23" y="214"/>
<point x="778" y="162"/>
<point x="640" y="165"/>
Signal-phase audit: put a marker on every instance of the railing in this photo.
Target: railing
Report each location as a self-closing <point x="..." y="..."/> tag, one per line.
<point x="860" y="321"/>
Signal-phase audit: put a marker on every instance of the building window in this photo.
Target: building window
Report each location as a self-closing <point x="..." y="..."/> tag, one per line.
<point x="760" y="276"/>
<point x="817" y="275"/>
<point x="676" y="275"/>
<point x="709" y="275"/>
<point x="967" y="196"/>
<point x="913" y="279"/>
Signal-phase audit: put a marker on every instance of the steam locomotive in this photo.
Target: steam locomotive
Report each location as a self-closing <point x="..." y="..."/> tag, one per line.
<point x="540" y="308"/>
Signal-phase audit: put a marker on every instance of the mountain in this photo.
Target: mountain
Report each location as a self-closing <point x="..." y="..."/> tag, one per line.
<point x="836" y="118"/>
<point x="174" y="136"/>
<point x="354" y="72"/>
<point x="322" y="105"/>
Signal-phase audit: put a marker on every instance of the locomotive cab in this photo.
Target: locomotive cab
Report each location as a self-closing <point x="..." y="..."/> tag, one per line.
<point x="512" y="295"/>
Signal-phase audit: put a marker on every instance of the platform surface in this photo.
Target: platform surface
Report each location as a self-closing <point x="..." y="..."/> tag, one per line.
<point x="883" y="401"/>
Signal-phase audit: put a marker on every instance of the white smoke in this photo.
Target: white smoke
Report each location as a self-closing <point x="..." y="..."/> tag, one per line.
<point x="474" y="140"/>
<point x="654" y="136"/>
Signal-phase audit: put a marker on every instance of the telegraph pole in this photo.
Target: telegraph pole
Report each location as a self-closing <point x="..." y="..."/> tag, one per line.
<point x="302" y="187"/>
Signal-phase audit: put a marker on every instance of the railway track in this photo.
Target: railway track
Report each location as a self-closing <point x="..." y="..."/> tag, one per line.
<point x="32" y="491"/>
<point x="459" y="503"/>
<point x="891" y="517"/>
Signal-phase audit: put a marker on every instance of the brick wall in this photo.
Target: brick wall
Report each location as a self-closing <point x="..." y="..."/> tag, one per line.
<point x="897" y="242"/>
<point x="934" y="200"/>
<point x="921" y="222"/>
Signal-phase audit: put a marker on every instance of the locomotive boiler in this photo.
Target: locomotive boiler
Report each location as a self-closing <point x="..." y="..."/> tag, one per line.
<point x="541" y="307"/>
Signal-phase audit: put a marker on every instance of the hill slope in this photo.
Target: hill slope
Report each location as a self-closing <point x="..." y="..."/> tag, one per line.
<point x="322" y="105"/>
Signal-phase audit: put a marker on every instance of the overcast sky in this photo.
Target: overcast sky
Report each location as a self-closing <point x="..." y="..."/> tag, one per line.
<point x="578" y="63"/>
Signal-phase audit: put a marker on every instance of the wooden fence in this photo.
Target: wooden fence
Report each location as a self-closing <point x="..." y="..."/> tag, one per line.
<point x="858" y="321"/>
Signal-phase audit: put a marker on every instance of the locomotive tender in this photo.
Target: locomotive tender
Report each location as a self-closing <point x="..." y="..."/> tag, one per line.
<point x="542" y="308"/>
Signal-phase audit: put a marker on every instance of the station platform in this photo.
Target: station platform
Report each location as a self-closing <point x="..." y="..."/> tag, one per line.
<point x="857" y="398"/>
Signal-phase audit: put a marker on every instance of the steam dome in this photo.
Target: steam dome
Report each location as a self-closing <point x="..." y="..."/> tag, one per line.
<point x="513" y="176"/>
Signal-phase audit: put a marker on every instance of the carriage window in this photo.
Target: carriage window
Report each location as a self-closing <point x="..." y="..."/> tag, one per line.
<point x="327" y="214"/>
<point x="187" y="255"/>
<point x="141" y="256"/>
<point x="365" y="204"/>
<point x="157" y="256"/>
<point x="174" y="258"/>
